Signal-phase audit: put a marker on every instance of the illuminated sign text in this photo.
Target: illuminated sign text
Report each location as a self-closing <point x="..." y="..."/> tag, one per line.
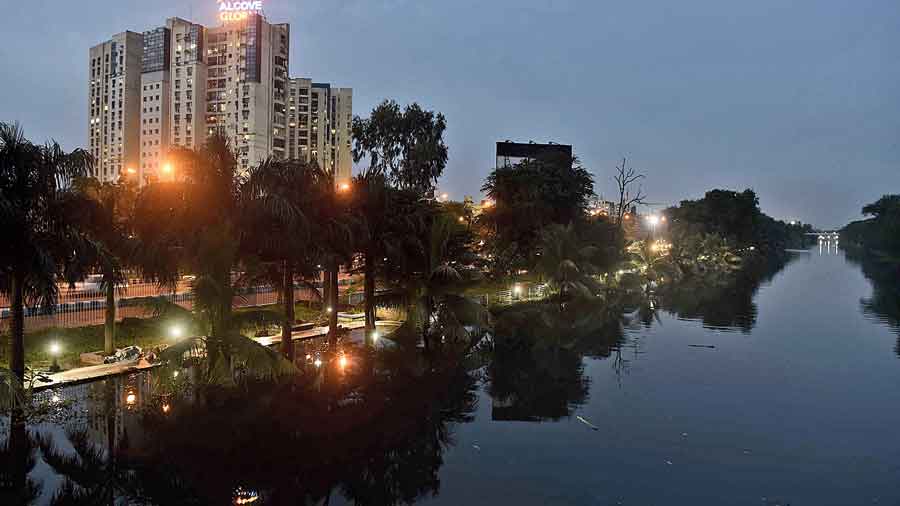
<point x="238" y="10"/>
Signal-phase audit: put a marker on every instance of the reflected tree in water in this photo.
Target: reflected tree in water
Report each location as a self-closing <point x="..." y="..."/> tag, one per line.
<point x="537" y="372"/>
<point x="884" y="303"/>
<point x="729" y="304"/>
<point x="370" y="434"/>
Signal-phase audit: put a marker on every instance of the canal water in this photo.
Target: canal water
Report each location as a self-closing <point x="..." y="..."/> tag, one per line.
<point x="798" y="403"/>
<point x="782" y="388"/>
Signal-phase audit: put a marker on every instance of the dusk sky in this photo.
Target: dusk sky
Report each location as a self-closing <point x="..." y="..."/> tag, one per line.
<point x="798" y="100"/>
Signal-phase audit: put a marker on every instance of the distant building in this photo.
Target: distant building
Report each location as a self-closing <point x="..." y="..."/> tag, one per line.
<point x="177" y="84"/>
<point x="114" y="108"/>
<point x="319" y="125"/>
<point x="511" y="153"/>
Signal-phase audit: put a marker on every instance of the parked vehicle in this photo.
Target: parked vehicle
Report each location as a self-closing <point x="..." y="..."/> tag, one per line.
<point x="127" y="354"/>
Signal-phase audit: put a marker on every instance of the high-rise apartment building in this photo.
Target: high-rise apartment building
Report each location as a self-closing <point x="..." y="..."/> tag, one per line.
<point x="191" y="81"/>
<point x="114" y="105"/>
<point x="320" y="125"/>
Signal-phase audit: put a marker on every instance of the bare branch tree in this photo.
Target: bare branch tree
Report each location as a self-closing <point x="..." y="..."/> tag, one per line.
<point x="626" y="178"/>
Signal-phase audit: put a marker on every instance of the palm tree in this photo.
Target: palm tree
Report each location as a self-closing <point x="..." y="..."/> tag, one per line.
<point x="275" y="230"/>
<point x="332" y="225"/>
<point x="107" y="220"/>
<point x="432" y="281"/>
<point x="372" y="205"/>
<point x="43" y="241"/>
<point x="194" y="225"/>
<point x="566" y="262"/>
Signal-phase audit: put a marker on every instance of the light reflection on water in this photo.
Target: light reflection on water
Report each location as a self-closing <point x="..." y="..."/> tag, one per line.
<point x="776" y="389"/>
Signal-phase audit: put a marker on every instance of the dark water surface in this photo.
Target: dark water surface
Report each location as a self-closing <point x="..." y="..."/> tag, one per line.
<point x="802" y="409"/>
<point x="784" y="390"/>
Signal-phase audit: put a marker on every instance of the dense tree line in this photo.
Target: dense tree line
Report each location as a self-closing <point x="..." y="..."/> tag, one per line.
<point x="737" y="218"/>
<point x="281" y="223"/>
<point x="880" y="233"/>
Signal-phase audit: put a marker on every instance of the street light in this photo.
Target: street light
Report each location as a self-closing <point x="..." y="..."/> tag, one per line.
<point x="176" y="331"/>
<point x="167" y="168"/>
<point x="344" y="187"/>
<point x="445" y="197"/>
<point x="55" y="349"/>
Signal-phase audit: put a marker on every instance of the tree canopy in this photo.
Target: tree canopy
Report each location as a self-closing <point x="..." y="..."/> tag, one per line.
<point x="407" y="146"/>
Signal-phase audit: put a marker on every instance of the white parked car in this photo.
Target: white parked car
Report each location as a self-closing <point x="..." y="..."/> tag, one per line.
<point x="127" y="354"/>
<point x="90" y="283"/>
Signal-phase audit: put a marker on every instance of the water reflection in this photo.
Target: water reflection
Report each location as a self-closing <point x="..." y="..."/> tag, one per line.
<point x="722" y="306"/>
<point x="536" y="370"/>
<point x="368" y="427"/>
<point x="884" y="303"/>
<point x="374" y="427"/>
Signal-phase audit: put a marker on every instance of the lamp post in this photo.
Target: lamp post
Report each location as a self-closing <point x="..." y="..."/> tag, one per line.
<point x="55" y="349"/>
<point x="653" y="220"/>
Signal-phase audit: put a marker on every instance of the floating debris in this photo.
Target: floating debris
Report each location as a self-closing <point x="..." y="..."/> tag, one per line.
<point x="668" y="462"/>
<point x="477" y="448"/>
<point x="589" y="424"/>
<point x="708" y="346"/>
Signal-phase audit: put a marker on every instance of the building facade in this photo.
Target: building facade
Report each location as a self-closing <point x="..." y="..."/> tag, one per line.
<point x="320" y="125"/>
<point x="512" y="153"/>
<point x="114" y="105"/>
<point x="176" y="85"/>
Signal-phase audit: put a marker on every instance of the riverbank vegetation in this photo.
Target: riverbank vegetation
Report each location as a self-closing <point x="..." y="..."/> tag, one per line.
<point x="878" y="235"/>
<point x="289" y="223"/>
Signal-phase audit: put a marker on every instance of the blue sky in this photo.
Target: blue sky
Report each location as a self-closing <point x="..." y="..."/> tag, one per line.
<point x="799" y="100"/>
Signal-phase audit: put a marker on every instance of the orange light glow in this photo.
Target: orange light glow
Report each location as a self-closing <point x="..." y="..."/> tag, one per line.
<point x="167" y="168"/>
<point x="131" y="170"/>
<point x="342" y="362"/>
<point x="130" y="399"/>
<point x="344" y="187"/>
<point x="166" y="408"/>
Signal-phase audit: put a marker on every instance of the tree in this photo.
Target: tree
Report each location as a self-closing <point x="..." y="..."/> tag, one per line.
<point x="626" y="178"/>
<point x="566" y="262"/>
<point x="43" y="242"/>
<point x="107" y="219"/>
<point x="275" y="230"/>
<point x="372" y="201"/>
<point x="407" y="146"/>
<point x="529" y="196"/>
<point x="193" y="224"/>
<point x="879" y="234"/>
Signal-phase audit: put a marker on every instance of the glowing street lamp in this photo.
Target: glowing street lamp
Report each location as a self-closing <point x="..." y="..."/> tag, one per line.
<point x="344" y="187"/>
<point x="55" y="350"/>
<point x="130" y="399"/>
<point x="167" y="168"/>
<point x="176" y="331"/>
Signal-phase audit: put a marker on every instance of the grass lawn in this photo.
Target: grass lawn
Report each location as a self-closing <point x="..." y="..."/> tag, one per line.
<point x="144" y="332"/>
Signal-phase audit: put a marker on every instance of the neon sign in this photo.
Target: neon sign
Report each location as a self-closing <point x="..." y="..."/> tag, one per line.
<point x="238" y="10"/>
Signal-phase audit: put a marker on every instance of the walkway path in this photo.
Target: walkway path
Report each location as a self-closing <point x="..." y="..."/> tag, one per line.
<point x="96" y="372"/>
